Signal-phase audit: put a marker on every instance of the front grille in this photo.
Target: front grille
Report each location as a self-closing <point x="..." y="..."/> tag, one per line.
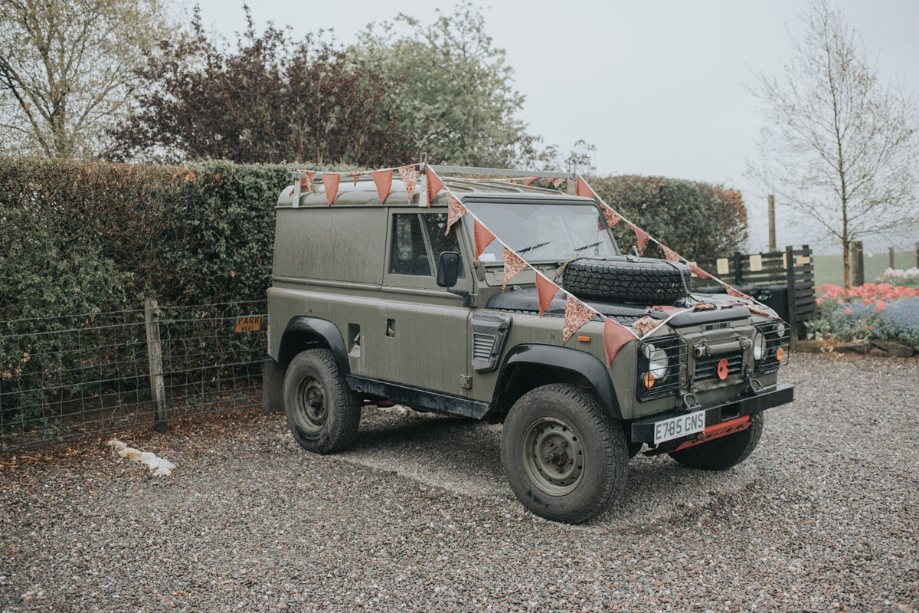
<point x="677" y="350"/>
<point x="770" y="362"/>
<point x="707" y="367"/>
<point x="482" y="346"/>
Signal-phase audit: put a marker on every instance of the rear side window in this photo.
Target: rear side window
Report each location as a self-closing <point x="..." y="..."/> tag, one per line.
<point x="417" y="242"/>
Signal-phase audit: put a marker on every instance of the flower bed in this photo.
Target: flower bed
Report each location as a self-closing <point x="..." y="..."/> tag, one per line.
<point x="907" y="278"/>
<point x="867" y="312"/>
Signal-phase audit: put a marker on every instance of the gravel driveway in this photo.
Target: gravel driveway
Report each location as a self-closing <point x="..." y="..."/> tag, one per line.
<point x="823" y="516"/>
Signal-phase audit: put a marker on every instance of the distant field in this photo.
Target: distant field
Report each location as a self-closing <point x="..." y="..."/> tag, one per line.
<point x="828" y="268"/>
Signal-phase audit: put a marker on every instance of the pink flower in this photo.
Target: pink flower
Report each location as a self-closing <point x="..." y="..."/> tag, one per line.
<point x="865" y="301"/>
<point x="847" y="311"/>
<point x="819" y="301"/>
<point x="881" y="306"/>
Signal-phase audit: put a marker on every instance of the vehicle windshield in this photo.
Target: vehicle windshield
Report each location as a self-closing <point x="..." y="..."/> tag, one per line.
<point x="544" y="232"/>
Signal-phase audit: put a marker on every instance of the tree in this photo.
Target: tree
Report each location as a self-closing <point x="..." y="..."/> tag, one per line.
<point x="840" y="148"/>
<point x="451" y="88"/>
<point x="269" y="100"/>
<point x="67" y="70"/>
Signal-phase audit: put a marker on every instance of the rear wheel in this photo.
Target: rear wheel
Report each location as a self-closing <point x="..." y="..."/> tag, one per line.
<point x="322" y="412"/>
<point x="723" y="453"/>
<point x="565" y="459"/>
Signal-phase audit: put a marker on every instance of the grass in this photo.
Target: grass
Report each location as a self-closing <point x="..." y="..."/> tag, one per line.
<point x="828" y="268"/>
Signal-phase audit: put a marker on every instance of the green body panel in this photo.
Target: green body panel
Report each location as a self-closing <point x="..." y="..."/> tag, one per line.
<point x="332" y="263"/>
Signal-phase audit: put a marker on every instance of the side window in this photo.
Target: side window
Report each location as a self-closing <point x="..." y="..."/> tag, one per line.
<point x="436" y="224"/>
<point x="409" y="255"/>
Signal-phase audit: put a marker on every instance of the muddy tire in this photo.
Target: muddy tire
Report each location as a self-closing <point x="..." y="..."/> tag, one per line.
<point x="723" y="453"/>
<point x="565" y="459"/>
<point x="322" y="412"/>
<point x="644" y="280"/>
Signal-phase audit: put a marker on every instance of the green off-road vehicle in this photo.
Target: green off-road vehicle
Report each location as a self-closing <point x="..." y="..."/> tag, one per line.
<point x="373" y="303"/>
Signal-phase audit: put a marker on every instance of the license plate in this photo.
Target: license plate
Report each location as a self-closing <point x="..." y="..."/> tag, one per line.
<point x="675" y="427"/>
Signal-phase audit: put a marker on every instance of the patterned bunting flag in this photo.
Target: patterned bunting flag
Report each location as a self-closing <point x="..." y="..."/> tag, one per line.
<point x="645" y="325"/>
<point x="306" y="182"/>
<point x="576" y="315"/>
<point x="383" y="180"/>
<point x="513" y="264"/>
<point x="612" y="217"/>
<point x="483" y="238"/>
<point x="354" y="175"/>
<point x="737" y="293"/>
<point x="641" y="235"/>
<point x="669" y="310"/>
<point x="557" y="182"/>
<point x="331" y="181"/>
<point x="615" y="337"/>
<point x="434" y="184"/>
<point x="410" y="177"/>
<point x="455" y="210"/>
<point x="545" y="292"/>
<point x="584" y="190"/>
<point x="670" y="254"/>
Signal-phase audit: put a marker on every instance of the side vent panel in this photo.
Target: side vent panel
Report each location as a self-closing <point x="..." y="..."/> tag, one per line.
<point x="489" y="333"/>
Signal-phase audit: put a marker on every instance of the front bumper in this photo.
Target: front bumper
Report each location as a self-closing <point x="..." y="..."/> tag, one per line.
<point x="643" y="430"/>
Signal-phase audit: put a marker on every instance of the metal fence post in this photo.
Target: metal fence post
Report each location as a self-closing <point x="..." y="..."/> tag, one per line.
<point x="792" y="296"/>
<point x="155" y="359"/>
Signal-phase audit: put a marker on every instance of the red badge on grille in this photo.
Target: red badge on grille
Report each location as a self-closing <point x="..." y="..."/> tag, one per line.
<point x="723" y="370"/>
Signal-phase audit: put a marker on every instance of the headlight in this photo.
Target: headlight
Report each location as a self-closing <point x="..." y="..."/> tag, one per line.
<point x="658" y="361"/>
<point x="759" y="346"/>
<point x="781" y="329"/>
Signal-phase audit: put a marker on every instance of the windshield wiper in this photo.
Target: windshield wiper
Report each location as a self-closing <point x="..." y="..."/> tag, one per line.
<point x="598" y="243"/>
<point x="531" y="247"/>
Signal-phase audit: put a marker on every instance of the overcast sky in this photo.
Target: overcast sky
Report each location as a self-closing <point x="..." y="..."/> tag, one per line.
<point x="658" y="87"/>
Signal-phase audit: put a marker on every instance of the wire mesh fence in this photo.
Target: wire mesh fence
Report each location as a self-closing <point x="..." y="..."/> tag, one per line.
<point x="68" y="377"/>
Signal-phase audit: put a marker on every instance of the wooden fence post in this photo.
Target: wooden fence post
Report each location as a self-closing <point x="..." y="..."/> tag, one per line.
<point x="792" y="296"/>
<point x="771" y="222"/>
<point x="891" y="258"/>
<point x="857" y="264"/>
<point x="917" y="255"/>
<point x="155" y="359"/>
<point x="738" y="268"/>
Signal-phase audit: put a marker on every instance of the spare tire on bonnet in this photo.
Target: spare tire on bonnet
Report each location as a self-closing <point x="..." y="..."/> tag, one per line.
<point x="628" y="279"/>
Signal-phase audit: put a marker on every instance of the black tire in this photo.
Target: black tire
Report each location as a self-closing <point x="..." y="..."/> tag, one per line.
<point x="643" y="280"/>
<point x="723" y="453"/>
<point x="322" y="412"/>
<point x="598" y="469"/>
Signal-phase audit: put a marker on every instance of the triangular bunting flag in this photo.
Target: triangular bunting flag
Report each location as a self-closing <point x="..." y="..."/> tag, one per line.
<point x="306" y="182"/>
<point x="383" y="181"/>
<point x="354" y="175"/>
<point x="736" y="293"/>
<point x="584" y="190"/>
<point x="483" y="238"/>
<point x="545" y="292"/>
<point x="669" y="310"/>
<point x="513" y="264"/>
<point x="557" y="182"/>
<point x="670" y="254"/>
<point x="615" y="337"/>
<point x="612" y="217"/>
<point x="645" y="325"/>
<point x="434" y="184"/>
<point x="410" y="178"/>
<point x="576" y="315"/>
<point x="529" y="180"/>
<point x="641" y="235"/>
<point x="455" y="210"/>
<point x="331" y="180"/>
<point x="699" y="272"/>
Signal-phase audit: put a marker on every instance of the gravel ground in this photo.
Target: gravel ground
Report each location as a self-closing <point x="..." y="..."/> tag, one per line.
<point x="418" y="517"/>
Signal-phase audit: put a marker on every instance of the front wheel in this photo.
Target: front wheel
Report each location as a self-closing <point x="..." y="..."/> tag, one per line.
<point x="565" y="459"/>
<point x="723" y="453"/>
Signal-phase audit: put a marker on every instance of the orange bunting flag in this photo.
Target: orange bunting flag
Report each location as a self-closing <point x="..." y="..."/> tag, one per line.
<point x="483" y="238"/>
<point x="641" y="235"/>
<point x="557" y="182"/>
<point x="545" y="292"/>
<point x="645" y="325"/>
<point x="409" y="176"/>
<point x="699" y="272"/>
<point x="354" y="175"/>
<point x="576" y="315"/>
<point x="670" y="254"/>
<point x="737" y="293"/>
<point x="434" y="184"/>
<point x="455" y="210"/>
<point x="513" y="264"/>
<point x="331" y="180"/>
<point x="612" y="217"/>
<point x="307" y="181"/>
<point x="615" y="337"/>
<point x="584" y="190"/>
<point x="383" y="180"/>
<point x="529" y="180"/>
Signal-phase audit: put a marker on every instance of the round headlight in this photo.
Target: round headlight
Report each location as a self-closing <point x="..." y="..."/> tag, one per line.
<point x="759" y="346"/>
<point x="658" y="362"/>
<point x="781" y="329"/>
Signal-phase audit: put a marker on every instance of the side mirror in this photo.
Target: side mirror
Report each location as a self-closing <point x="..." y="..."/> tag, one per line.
<point x="448" y="266"/>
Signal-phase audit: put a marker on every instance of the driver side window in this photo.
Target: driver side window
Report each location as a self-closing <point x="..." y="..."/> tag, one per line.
<point x="417" y="242"/>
